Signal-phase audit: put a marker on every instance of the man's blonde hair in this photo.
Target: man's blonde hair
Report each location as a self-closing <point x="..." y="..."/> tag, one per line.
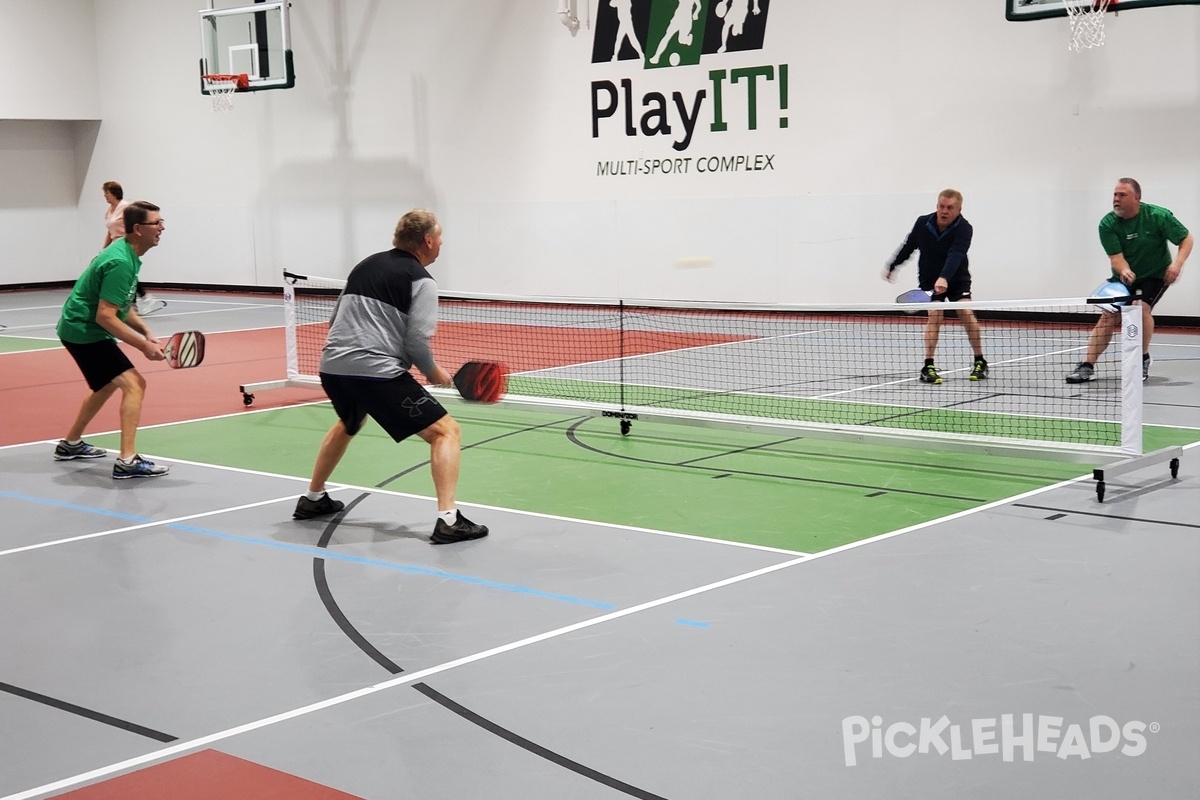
<point x="413" y="227"/>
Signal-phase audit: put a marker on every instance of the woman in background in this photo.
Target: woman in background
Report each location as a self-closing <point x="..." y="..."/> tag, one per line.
<point x="114" y="228"/>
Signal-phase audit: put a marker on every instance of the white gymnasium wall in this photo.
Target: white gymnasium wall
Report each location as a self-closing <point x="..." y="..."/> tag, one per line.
<point x="48" y="60"/>
<point x="482" y="111"/>
<point x="49" y="102"/>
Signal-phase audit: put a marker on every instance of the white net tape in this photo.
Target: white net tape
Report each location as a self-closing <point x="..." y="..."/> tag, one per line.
<point x="222" y="93"/>
<point x="1087" y="23"/>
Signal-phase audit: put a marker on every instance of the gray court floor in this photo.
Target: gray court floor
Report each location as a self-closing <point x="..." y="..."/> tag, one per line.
<point x="570" y="659"/>
<point x="1043" y="647"/>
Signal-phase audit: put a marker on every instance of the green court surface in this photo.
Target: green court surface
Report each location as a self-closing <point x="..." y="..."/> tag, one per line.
<point x="781" y="491"/>
<point x="827" y="412"/>
<point x="18" y="344"/>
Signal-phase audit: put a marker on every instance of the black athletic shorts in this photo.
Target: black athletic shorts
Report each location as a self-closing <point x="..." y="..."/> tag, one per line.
<point x="99" y="362"/>
<point x="1152" y="289"/>
<point x="953" y="293"/>
<point x="400" y="405"/>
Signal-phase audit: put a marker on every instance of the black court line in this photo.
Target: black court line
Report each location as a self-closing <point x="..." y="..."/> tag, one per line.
<point x="354" y="635"/>
<point x="916" y="412"/>
<point x="88" y="713"/>
<point x="534" y="747"/>
<point x="480" y="443"/>
<point x="331" y="604"/>
<point x="1072" y="511"/>
<point x="573" y="436"/>
<point x="888" y="462"/>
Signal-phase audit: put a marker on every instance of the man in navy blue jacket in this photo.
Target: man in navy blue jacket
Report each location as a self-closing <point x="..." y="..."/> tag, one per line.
<point x="943" y="238"/>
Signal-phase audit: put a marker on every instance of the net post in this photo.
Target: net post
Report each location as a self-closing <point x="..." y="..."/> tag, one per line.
<point x="1131" y="378"/>
<point x="289" y="316"/>
<point x="621" y="348"/>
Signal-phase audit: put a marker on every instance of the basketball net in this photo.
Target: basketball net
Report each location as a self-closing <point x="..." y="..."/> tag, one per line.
<point x="221" y="88"/>
<point x="1087" y="23"/>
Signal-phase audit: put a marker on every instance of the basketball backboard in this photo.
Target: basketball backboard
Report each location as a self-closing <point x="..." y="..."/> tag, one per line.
<point x="254" y="40"/>
<point x="1021" y="10"/>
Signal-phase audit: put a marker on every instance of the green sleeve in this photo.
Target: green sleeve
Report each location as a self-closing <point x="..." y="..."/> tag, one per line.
<point x="1173" y="229"/>
<point x="118" y="282"/>
<point x="1109" y="239"/>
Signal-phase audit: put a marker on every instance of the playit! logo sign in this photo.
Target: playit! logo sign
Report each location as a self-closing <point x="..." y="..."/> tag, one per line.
<point x="665" y="34"/>
<point x="990" y="736"/>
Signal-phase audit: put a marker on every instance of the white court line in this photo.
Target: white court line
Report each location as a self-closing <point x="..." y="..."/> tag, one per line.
<point x="278" y="302"/>
<point x="164" y="314"/>
<point x="143" y="525"/>
<point x="207" y="333"/>
<point x="408" y="678"/>
<point x="243" y="412"/>
<point x="36" y="338"/>
<point x="948" y="372"/>
<point x="333" y="486"/>
<point x="157" y="315"/>
<point x="21" y="309"/>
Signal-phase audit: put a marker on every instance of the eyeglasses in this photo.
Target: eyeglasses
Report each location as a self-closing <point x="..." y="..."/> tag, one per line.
<point x="155" y="224"/>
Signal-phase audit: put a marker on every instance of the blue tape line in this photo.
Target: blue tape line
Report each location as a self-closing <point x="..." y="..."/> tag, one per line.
<point x="320" y="552"/>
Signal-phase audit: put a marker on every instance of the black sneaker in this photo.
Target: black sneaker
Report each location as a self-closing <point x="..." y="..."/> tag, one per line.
<point x="929" y="374"/>
<point x="138" y="467"/>
<point x="1145" y="368"/>
<point x="463" y="530"/>
<point x="1081" y="374"/>
<point x="979" y="372"/>
<point x="307" y="509"/>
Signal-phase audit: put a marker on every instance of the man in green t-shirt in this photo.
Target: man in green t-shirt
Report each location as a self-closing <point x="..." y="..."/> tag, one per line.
<point x="99" y="311"/>
<point x="1135" y="236"/>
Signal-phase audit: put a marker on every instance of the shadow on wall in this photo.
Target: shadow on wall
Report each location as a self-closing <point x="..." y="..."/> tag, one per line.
<point x="346" y="181"/>
<point x="344" y="184"/>
<point x="84" y="134"/>
<point x="45" y="162"/>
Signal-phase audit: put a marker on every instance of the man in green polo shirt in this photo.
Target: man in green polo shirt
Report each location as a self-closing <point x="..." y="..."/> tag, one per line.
<point x="1135" y="236"/>
<point x="99" y="311"/>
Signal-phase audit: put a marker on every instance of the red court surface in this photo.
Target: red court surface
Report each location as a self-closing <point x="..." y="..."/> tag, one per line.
<point x="523" y="348"/>
<point x="41" y="390"/>
<point x="207" y="775"/>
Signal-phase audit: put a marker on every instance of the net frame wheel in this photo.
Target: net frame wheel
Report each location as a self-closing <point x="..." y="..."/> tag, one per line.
<point x="247" y="399"/>
<point x="1174" y="467"/>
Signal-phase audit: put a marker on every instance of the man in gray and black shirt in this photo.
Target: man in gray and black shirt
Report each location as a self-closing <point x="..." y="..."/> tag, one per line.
<point x="382" y="326"/>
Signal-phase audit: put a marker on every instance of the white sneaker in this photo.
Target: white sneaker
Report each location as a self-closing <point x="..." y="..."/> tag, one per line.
<point x="148" y="304"/>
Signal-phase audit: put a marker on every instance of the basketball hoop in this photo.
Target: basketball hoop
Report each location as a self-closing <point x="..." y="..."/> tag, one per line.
<point x="1087" y="22"/>
<point x="222" y="87"/>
